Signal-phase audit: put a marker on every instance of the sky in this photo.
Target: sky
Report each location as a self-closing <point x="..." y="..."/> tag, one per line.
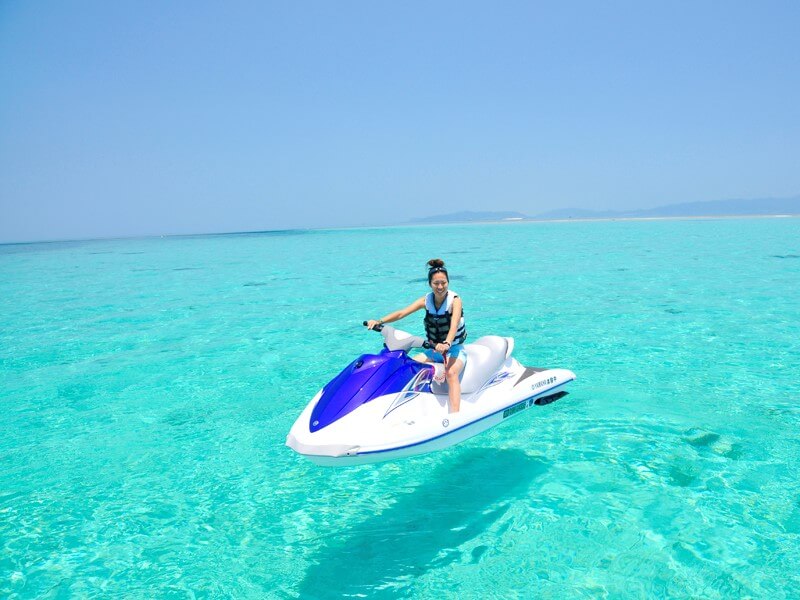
<point x="152" y="118"/>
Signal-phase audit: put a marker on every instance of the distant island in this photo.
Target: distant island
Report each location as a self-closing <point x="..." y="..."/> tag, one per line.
<point x="716" y="208"/>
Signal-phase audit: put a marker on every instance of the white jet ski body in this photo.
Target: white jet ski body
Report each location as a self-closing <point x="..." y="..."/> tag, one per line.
<point x="387" y="406"/>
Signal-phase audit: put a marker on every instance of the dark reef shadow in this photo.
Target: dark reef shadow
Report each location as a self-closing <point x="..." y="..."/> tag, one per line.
<point x="423" y="530"/>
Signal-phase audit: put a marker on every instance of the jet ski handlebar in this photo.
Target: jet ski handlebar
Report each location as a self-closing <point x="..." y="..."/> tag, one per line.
<point x="377" y="327"/>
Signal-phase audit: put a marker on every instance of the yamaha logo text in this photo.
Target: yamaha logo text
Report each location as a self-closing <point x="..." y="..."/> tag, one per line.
<point x="543" y="383"/>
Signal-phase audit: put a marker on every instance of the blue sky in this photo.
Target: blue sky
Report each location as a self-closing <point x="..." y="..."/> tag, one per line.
<point x="145" y="118"/>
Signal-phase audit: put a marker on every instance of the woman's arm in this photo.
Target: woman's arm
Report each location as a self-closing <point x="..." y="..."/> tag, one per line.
<point x="399" y="314"/>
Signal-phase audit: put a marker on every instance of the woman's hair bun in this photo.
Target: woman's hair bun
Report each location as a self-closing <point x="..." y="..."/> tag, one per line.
<point x="435" y="262"/>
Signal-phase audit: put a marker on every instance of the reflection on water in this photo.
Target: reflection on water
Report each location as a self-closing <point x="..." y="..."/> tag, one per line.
<point x="424" y="529"/>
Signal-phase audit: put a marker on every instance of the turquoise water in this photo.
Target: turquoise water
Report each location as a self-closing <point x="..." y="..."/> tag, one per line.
<point x="148" y="385"/>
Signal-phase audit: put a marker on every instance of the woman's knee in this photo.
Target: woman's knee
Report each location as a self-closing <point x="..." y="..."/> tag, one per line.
<point x="454" y="372"/>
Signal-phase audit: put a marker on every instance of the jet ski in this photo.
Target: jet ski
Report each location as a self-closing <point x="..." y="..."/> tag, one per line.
<point x="387" y="406"/>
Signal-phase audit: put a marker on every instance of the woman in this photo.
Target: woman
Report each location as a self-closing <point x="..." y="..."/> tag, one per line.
<point x="444" y="327"/>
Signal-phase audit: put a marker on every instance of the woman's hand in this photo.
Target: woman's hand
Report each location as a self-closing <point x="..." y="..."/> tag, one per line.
<point x="442" y="347"/>
<point x="372" y="324"/>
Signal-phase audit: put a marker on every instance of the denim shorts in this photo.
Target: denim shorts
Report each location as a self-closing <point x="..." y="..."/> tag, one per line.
<point x="456" y="351"/>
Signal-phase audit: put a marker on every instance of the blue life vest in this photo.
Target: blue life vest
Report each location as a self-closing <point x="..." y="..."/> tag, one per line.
<point x="437" y="322"/>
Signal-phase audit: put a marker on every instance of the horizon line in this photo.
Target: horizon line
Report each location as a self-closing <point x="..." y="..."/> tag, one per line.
<point x="413" y="223"/>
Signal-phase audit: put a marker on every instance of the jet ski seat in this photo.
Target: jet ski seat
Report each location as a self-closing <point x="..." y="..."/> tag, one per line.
<point x="485" y="356"/>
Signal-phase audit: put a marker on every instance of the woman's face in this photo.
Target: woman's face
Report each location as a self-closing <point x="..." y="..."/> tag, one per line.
<point x="439" y="284"/>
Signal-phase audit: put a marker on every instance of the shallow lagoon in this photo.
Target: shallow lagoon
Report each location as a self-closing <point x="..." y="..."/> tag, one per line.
<point x="147" y="387"/>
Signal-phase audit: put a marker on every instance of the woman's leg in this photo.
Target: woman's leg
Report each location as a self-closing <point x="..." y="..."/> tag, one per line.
<point x="452" y="371"/>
